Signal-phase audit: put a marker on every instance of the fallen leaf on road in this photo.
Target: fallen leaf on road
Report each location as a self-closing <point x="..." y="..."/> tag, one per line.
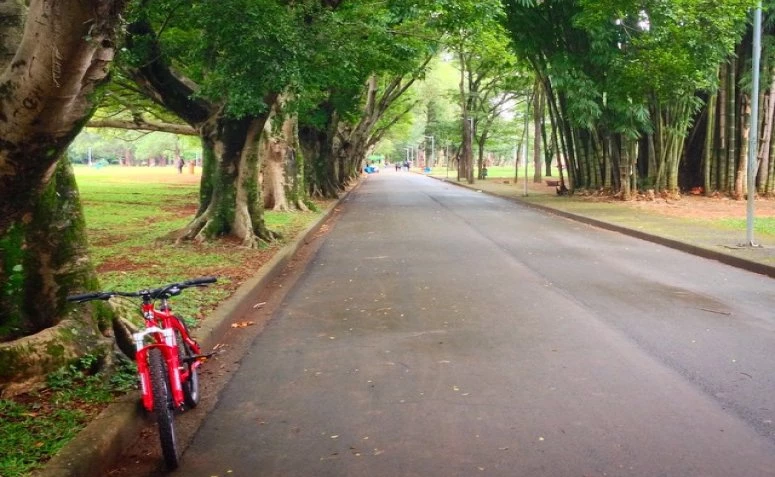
<point x="242" y="324"/>
<point x="259" y="305"/>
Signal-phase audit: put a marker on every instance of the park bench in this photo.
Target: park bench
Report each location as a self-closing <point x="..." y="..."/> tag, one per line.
<point x="552" y="183"/>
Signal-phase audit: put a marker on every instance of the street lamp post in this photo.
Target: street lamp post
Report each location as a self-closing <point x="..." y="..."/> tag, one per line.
<point x="753" y="138"/>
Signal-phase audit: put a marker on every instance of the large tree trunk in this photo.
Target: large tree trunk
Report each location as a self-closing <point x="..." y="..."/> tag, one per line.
<point x="230" y="204"/>
<point x="480" y="143"/>
<point x="707" y="157"/>
<point x="317" y="146"/>
<point x="721" y="151"/>
<point x="43" y="260"/>
<point x="731" y="133"/>
<point x="764" y="148"/>
<point x="538" y="120"/>
<point x="48" y="93"/>
<point x="282" y="167"/>
<point x="741" y="174"/>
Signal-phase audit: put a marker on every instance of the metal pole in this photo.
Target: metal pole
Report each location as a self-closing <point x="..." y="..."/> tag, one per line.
<point x="753" y="139"/>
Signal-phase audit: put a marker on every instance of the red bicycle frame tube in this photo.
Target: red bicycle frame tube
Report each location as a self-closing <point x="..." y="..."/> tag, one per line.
<point x="161" y="326"/>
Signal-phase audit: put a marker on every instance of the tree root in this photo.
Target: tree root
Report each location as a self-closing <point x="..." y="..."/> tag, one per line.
<point x="27" y="361"/>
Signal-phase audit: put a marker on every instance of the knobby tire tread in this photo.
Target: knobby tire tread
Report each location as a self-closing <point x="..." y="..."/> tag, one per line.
<point x="162" y="407"/>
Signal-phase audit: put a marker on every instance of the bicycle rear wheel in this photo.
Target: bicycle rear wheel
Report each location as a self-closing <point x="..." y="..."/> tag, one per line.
<point x="163" y="408"/>
<point x="191" y="385"/>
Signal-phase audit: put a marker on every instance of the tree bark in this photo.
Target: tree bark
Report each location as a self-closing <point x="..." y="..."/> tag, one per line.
<point x="142" y="125"/>
<point x="281" y="160"/>
<point x="47" y="92"/>
<point x="538" y="119"/>
<point x="731" y="160"/>
<point x="764" y="151"/>
<point x="741" y="173"/>
<point x="12" y="13"/>
<point x="44" y="259"/>
<point x="709" y="141"/>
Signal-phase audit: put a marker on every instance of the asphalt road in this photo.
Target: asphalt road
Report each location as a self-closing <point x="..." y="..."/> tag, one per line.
<point x="443" y="332"/>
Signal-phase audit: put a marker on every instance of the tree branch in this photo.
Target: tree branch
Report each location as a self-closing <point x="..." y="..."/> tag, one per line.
<point x="143" y="125"/>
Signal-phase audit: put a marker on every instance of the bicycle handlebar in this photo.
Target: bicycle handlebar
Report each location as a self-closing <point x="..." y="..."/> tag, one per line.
<point x="163" y="292"/>
<point x="86" y="297"/>
<point x="199" y="281"/>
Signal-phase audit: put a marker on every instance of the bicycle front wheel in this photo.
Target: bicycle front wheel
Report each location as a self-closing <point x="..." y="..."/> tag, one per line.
<point x="163" y="408"/>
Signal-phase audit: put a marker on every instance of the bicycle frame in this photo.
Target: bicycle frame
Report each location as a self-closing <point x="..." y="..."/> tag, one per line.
<point x="161" y="324"/>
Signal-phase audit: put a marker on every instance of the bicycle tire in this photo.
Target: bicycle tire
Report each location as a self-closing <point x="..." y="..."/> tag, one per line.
<point x="191" y="385"/>
<point x="163" y="408"/>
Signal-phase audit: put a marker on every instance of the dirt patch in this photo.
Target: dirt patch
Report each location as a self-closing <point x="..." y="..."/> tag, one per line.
<point x="687" y="206"/>
<point x="184" y="210"/>
<point x="699" y="207"/>
<point x="106" y="239"/>
<point x="122" y="265"/>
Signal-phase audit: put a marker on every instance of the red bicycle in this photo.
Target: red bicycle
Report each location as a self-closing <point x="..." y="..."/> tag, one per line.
<point x="167" y="359"/>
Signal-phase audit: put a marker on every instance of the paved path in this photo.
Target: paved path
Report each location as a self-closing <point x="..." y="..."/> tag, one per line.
<point x="444" y="332"/>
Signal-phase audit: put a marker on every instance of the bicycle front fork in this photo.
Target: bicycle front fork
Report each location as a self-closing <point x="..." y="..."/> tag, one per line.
<point x="169" y="351"/>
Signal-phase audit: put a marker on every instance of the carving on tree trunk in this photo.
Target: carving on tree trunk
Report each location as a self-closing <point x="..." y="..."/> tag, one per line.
<point x="45" y="102"/>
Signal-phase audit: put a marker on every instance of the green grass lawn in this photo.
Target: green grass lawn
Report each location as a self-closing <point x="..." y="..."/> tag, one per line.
<point x="130" y="210"/>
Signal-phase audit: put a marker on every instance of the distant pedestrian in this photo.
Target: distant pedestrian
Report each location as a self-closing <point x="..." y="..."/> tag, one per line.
<point x="180" y="163"/>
